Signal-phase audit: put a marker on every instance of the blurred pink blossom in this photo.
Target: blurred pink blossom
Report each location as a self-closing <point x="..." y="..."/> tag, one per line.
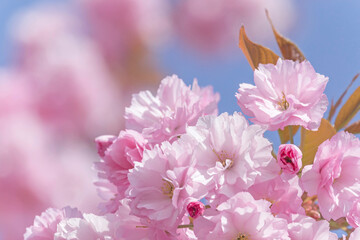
<point x="15" y="96"/>
<point x="213" y="25"/>
<point x="38" y="172"/>
<point x="59" y="88"/>
<point x="75" y="93"/>
<point x="288" y="93"/>
<point x="117" y="25"/>
<point x="22" y="157"/>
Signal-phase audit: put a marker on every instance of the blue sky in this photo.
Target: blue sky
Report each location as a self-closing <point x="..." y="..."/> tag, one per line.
<point x="326" y="31"/>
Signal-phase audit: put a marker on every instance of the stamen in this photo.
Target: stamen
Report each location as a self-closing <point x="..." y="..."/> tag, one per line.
<point x="288" y="160"/>
<point x="283" y="103"/>
<point x="168" y="188"/>
<point x="242" y="236"/>
<point x="223" y="156"/>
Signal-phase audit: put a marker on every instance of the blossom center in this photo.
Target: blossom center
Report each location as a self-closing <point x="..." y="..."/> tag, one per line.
<point x="242" y="236"/>
<point x="283" y="103"/>
<point x="223" y="156"/>
<point x="168" y="188"/>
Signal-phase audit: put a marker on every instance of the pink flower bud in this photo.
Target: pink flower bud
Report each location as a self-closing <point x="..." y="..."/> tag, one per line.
<point x="289" y="158"/>
<point x="103" y="142"/>
<point x="195" y="209"/>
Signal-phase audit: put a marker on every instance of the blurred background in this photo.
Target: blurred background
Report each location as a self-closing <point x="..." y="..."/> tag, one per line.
<point x="68" y="69"/>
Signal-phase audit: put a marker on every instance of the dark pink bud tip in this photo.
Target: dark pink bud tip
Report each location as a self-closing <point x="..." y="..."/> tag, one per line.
<point x="195" y="209"/>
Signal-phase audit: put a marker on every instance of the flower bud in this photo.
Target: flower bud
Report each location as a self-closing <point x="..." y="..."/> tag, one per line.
<point x="195" y="209"/>
<point x="289" y="158"/>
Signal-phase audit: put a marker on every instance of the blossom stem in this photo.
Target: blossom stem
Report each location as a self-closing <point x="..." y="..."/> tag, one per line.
<point x="291" y="135"/>
<point x="273" y="154"/>
<point x="186" y="226"/>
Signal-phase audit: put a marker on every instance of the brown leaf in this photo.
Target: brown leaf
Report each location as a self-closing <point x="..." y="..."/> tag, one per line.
<point x="338" y="102"/>
<point x="354" y="128"/>
<point x="255" y="53"/>
<point x="310" y="140"/>
<point x="285" y="134"/>
<point x="348" y="110"/>
<point x="288" y="49"/>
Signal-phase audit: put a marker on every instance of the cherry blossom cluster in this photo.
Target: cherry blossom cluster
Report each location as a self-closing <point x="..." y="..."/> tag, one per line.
<point x="180" y="170"/>
<point x="70" y="72"/>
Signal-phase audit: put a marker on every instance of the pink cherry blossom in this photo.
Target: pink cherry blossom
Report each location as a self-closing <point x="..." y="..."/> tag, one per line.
<point x="90" y="226"/>
<point x="285" y="196"/>
<point x="186" y="234"/>
<point x="303" y="227"/>
<point x="355" y="234"/>
<point x="353" y="216"/>
<point x="288" y="93"/>
<point x="333" y="176"/>
<point x="195" y="209"/>
<point x="134" y="228"/>
<point x="165" y="116"/>
<point x="45" y="225"/>
<point x="160" y="185"/>
<point x="119" y="156"/>
<point x="108" y="192"/>
<point x="241" y="217"/>
<point x="230" y="154"/>
<point x="289" y="158"/>
<point x="103" y="143"/>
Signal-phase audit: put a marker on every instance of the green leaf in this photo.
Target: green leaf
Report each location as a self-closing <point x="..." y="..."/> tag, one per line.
<point x="310" y="140"/>
<point x="348" y="110"/>
<point x="255" y="53"/>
